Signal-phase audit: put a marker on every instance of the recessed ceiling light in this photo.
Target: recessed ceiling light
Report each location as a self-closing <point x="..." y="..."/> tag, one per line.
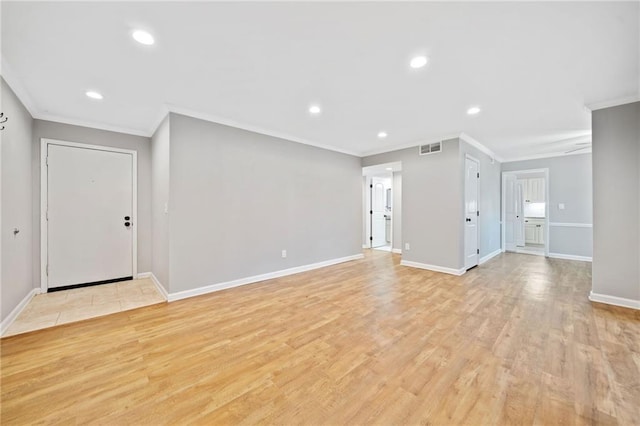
<point x="94" y="95"/>
<point x="382" y="135"/>
<point x="143" y="37"/>
<point x="418" y="62"/>
<point x="473" y="110"/>
<point x="389" y="168"/>
<point x="314" y="109"/>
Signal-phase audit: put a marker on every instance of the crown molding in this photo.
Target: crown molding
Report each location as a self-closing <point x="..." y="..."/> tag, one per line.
<point x="90" y="124"/>
<point x="252" y="128"/>
<point x="550" y="155"/>
<point x="478" y="145"/>
<point x="413" y="144"/>
<point x="14" y="83"/>
<point x="613" y="102"/>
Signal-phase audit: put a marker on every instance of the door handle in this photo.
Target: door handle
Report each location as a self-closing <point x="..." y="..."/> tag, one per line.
<point x="468" y="220"/>
<point x="127" y="224"/>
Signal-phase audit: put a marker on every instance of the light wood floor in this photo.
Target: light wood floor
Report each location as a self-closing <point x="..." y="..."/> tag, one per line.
<point x="365" y="342"/>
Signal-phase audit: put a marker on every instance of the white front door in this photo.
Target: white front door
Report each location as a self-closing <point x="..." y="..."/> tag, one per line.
<point x="90" y="215"/>
<point x="471" y="253"/>
<point x="378" y="211"/>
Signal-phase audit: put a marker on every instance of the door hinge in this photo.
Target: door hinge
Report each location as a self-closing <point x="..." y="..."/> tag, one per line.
<point x="478" y="175"/>
<point x="46" y="160"/>
<point x="371" y="238"/>
<point x="370" y="211"/>
<point x="47" y="271"/>
<point x="477" y="213"/>
<point x="478" y="251"/>
<point x="371" y="185"/>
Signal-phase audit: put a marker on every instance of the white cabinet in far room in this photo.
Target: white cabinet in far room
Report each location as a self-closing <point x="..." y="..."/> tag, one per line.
<point x="534" y="190"/>
<point x="534" y="231"/>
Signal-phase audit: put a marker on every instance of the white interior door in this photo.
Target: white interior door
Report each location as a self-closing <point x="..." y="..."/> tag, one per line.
<point x="519" y="224"/>
<point x="471" y="213"/>
<point x="510" y="211"/>
<point x="90" y="215"/>
<point x="378" y="211"/>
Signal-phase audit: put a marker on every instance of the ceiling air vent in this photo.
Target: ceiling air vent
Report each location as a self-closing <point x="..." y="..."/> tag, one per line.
<point x="431" y="148"/>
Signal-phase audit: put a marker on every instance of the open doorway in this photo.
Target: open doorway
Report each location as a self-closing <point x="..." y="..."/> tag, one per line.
<point x="525" y="211"/>
<point x="381" y="207"/>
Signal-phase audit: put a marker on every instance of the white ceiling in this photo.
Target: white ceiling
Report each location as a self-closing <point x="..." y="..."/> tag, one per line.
<point x="532" y="67"/>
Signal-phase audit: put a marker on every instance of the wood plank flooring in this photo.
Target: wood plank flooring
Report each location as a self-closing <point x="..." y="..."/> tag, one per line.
<point x="514" y="341"/>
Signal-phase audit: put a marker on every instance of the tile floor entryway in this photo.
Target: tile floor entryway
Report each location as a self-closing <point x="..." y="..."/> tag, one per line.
<point x="62" y="307"/>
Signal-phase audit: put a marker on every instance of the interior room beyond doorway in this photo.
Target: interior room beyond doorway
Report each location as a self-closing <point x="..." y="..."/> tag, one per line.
<point x="381" y="206"/>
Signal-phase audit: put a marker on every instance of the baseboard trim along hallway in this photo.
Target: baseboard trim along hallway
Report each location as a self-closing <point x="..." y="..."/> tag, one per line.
<point x="6" y="323"/>
<point x="434" y="268"/>
<point x="257" y="278"/>
<point x="614" y="300"/>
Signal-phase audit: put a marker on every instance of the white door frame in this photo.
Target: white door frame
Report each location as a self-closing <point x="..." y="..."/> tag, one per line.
<point x="464" y="197"/>
<point x="546" y="206"/>
<point x="44" y="192"/>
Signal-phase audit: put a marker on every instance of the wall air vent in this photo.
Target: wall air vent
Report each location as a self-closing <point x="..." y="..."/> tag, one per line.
<point x="431" y="148"/>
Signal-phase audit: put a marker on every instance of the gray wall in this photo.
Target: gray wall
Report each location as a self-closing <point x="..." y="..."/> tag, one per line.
<point x="569" y="183"/>
<point x="431" y="208"/>
<point x="71" y="133"/>
<point x="160" y="180"/>
<point x="396" y="214"/>
<point x="238" y="198"/>
<point x="488" y="202"/>
<point x="616" y="201"/>
<point x="16" y="273"/>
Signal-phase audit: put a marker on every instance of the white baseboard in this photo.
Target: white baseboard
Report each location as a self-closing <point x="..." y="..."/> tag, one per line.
<point x="570" y="257"/>
<point x="490" y="256"/>
<point x="396" y="251"/>
<point x="6" y="323"/>
<point x="156" y="282"/>
<point x="614" y="300"/>
<point x="365" y="246"/>
<point x="257" y="278"/>
<point x="433" y="267"/>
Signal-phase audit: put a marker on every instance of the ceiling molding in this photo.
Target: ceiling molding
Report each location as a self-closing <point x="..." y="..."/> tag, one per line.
<point x="90" y="124"/>
<point x="613" y="102"/>
<point x="550" y="155"/>
<point x="14" y="83"/>
<point x="251" y="128"/>
<point x="477" y="144"/>
<point x="413" y="144"/>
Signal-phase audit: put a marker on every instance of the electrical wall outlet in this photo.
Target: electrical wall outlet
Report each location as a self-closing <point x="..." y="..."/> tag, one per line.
<point x="407" y="246"/>
<point x="284" y="254"/>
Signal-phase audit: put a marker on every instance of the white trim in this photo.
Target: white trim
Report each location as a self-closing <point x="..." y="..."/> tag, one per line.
<point x="407" y="145"/>
<point x="571" y="225"/>
<point x="464" y="209"/>
<point x="156" y="282"/>
<point x="503" y="222"/>
<point x="365" y="246"/>
<point x="44" y="255"/>
<point x="257" y="278"/>
<point x="550" y="155"/>
<point x="490" y="256"/>
<point x="614" y="300"/>
<point x="570" y="257"/>
<point x="613" y="102"/>
<point x="476" y="144"/>
<point x="434" y="268"/>
<point x="14" y="83"/>
<point x="396" y="251"/>
<point x="87" y="123"/>
<point x="252" y="128"/>
<point x="6" y="323"/>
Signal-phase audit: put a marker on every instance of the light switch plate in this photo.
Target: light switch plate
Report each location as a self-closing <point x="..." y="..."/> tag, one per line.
<point x="561" y="206"/>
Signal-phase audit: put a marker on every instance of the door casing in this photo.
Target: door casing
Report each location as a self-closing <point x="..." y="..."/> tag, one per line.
<point x="546" y="207"/>
<point x="44" y="255"/>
